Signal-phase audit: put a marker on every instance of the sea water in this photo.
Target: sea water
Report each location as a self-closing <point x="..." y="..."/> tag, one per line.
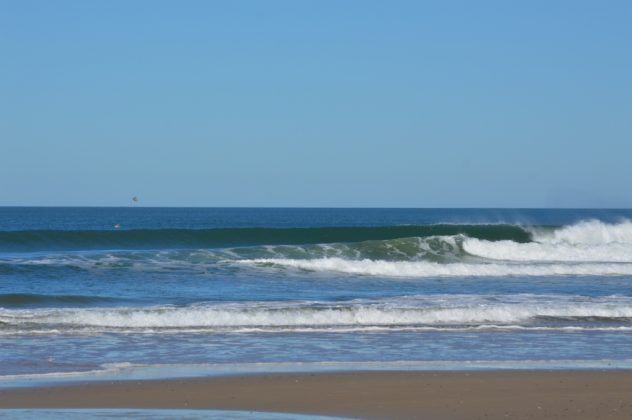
<point x="89" y="291"/>
<point x="150" y="414"/>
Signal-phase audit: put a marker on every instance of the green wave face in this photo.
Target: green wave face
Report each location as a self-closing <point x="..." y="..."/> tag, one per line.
<point x="438" y="249"/>
<point x="45" y="240"/>
<point x="434" y="248"/>
<point x="31" y="299"/>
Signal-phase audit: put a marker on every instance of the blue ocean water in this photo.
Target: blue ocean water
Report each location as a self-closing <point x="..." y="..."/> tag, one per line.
<point x="102" y="289"/>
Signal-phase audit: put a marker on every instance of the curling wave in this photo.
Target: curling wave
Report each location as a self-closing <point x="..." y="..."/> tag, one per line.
<point x="588" y="248"/>
<point x="38" y="240"/>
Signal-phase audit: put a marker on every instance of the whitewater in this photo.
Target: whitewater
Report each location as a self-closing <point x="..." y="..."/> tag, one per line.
<point x="315" y="286"/>
<point x="524" y="311"/>
<point x="585" y="249"/>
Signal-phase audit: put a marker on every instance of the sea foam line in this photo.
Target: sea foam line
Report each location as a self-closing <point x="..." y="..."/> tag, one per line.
<point x="96" y="331"/>
<point x="430" y="269"/>
<point x="329" y="315"/>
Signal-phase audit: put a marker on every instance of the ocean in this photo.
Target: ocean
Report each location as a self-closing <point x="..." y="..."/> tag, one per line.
<point x="88" y="292"/>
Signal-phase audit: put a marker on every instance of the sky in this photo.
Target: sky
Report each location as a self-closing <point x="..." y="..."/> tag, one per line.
<point x="316" y="103"/>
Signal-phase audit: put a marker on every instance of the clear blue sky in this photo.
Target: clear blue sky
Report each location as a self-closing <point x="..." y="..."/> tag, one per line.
<point x="316" y="103"/>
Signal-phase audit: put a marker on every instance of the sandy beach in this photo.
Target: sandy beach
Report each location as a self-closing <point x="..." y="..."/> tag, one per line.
<point x="372" y="395"/>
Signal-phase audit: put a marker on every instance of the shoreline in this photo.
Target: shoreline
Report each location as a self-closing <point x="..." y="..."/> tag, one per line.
<point x="542" y="394"/>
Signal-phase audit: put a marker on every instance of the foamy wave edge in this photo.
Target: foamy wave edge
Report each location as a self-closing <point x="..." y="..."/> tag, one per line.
<point x="430" y="269"/>
<point x="416" y="313"/>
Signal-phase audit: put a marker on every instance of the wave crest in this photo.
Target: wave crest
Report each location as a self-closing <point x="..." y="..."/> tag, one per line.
<point x="587" y="248"/>
<point x="589" y="232"/>
<point x="37" y="240"/>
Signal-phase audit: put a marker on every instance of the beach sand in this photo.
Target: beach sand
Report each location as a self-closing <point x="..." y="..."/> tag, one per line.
<point x="379" y="395"/>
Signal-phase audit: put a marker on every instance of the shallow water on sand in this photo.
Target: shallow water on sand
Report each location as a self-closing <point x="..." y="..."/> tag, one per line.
<point x="102" y="413"/>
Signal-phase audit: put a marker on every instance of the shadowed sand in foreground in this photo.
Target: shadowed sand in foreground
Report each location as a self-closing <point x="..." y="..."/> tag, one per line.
<point x="388" y="395"/>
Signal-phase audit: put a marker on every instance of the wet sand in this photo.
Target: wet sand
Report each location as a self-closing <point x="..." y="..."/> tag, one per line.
<point x="372" y="395"/>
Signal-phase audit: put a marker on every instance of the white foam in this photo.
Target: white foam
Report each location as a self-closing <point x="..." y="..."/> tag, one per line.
<point x="587" y="241"/>
<point x="431" y="269"/>
<point x="431" y="312"/>
<point x="533" y="251"/>
<point x="165" y="371"/>
<point x="590" y="232"/>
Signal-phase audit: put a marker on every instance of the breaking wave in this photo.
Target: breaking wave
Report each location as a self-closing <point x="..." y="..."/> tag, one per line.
<point x="589" y="232"/>
<point x="588" y="241"/>
<point x="534" y="251"/>
<point x="429" y="269"/>
<point x="34" y="240"/>
<point x="449" y="311"/>
<point x="589" y="248"/>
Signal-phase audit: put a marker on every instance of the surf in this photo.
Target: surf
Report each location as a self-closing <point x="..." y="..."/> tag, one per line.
<point x="589" y="248"/>
<point x="526" y="311"/>
<point x="55" y="240"/>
